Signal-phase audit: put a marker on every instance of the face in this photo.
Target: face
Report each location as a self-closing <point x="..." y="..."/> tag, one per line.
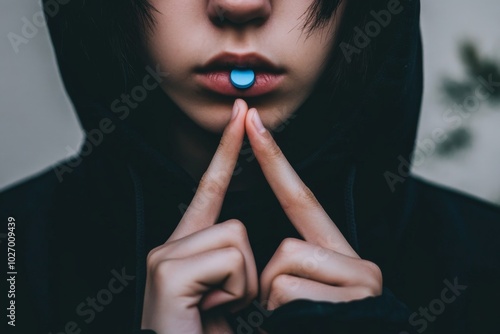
<point x="198" y="42"/>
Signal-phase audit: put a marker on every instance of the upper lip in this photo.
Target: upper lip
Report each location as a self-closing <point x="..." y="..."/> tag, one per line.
<point x="228" y="61"/>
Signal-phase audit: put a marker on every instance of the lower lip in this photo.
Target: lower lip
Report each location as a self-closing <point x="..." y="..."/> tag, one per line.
<point x="219" y="82"/>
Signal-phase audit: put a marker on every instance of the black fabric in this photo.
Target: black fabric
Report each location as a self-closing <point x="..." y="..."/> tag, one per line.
<point x="139" y="246"/>
<point x="448" y="236"/>
<point x="382" y="314"/>
<point x="84" y="228"/>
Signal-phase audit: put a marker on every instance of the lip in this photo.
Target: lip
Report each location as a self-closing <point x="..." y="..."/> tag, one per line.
<point x="214" y="75"/>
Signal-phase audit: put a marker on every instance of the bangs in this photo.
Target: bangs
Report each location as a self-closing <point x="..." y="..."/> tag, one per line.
<point x="107" y="38"/>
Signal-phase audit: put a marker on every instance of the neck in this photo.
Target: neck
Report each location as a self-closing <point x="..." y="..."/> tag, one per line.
<point x="193" y="148"/>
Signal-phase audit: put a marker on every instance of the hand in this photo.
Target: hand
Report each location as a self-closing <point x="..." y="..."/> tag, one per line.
<point x="203" y="265"/>
<point x="323" y="266"/>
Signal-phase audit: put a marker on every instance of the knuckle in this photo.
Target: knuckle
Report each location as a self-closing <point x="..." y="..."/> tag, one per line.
<point x="211" y="186"/>
<point x="280" y="285"/>
<point x="168" y="278"/>
<point x="303" y="198"/>
<point x="235" y="227"/>
<point x="153" y="256"/>
<point x="163" y="269"/>
<point x="373" y="277"/>
<point x="306" y="195"/>
<point x="234" y="256"/>
<point x="289" y="246"/>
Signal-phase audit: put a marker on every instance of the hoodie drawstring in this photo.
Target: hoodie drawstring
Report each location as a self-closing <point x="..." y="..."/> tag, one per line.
<point x="140" y="260"/>
<point x="352" y="230"/>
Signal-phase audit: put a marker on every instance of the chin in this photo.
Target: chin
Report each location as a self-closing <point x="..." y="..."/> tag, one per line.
<point x="213" y="116"/>
<point x="213" y="119"/>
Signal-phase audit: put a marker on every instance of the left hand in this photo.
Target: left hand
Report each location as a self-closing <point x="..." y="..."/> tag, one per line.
<point x="323" y="266"/>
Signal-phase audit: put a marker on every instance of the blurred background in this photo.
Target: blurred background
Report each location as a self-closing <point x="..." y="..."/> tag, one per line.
<point x="458" y="143"/>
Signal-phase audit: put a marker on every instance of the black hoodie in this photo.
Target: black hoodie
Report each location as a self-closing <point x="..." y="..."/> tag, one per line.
<point x="84" y="228"/>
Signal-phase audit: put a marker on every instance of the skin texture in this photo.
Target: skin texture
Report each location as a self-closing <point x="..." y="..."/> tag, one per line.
<point x="206" y="268"/>
<point x="188" y="33"/>
<point x="204" y="265"/>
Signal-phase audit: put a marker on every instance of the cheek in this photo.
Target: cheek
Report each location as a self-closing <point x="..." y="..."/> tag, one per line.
<point x="174" y="41"/>
<point x="164" y="46"/>
<point x="309" y="59"/>
<point x="306" y="55"/>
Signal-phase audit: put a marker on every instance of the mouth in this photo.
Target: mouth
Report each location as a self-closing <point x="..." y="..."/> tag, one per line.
<point x="214" y="76"/>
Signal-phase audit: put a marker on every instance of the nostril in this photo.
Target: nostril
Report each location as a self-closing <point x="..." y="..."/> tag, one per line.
<point x="239" y="12"/>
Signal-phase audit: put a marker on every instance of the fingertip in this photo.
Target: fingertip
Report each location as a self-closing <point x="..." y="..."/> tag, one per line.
<point x="248" y="119"/>
<point x="242" y="105"/>
<point x="253" y="129"/>
<point x="236" y="110"/>
<point x="240" y="108"/>
<point x="256" y="122"/>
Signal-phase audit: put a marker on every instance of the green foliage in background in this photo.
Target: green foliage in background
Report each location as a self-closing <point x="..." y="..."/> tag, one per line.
<point x="456" y="91"/>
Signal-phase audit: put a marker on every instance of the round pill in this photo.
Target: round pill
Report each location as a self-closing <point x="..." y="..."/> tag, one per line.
<point x="242" y="78"/>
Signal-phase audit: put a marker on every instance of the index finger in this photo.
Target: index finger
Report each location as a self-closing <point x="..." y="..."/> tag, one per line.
<point x="206" y="204"/>
<point x="297" y="200"/>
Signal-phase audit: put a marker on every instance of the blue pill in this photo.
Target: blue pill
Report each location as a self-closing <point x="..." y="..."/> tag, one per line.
<point x="242" y="78"/>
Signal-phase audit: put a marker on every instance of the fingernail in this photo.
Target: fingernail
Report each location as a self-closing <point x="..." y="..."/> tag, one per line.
<point x="236" y="110"/>
<point x="258" y="122"/>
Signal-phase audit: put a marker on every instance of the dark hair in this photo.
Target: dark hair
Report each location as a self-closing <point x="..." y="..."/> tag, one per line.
<point x="104" y="38"/>
<point x="364" y="110"/>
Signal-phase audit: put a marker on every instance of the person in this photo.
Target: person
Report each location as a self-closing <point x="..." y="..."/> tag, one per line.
<point x="287" y="207"/>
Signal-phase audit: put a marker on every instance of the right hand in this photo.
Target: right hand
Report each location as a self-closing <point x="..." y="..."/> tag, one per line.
<point x="203" y="264"/>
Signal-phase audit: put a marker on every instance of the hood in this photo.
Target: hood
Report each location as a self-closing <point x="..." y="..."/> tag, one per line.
<point x="373" y="124"/>
<point x="363" y="132"/>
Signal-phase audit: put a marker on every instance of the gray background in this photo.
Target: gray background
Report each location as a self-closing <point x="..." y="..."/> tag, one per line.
<point x="38" y="126"/>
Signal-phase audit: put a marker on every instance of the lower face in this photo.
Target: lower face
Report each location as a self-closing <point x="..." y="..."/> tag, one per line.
<point x="266" y="36"/>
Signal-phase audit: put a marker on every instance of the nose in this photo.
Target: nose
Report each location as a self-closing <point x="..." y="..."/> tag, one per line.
<point x="238" y="11"/>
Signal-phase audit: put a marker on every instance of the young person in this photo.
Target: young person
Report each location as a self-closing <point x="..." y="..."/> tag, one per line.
<point x="287" y="207"/>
